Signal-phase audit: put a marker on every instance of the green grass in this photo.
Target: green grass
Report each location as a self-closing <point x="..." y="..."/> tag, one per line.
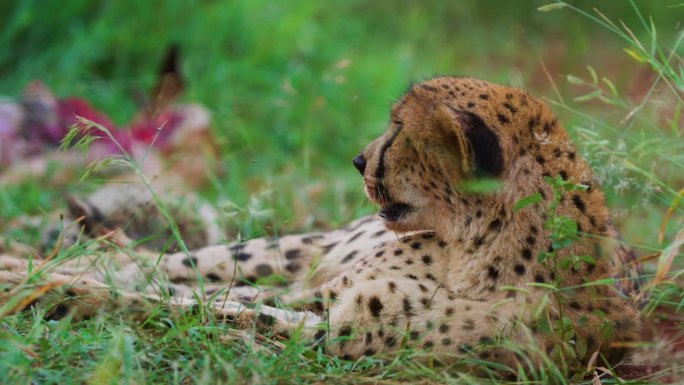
<point x="296" y="90"/>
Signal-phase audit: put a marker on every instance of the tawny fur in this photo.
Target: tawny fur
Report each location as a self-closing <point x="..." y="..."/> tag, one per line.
<point x="451" y="272"/>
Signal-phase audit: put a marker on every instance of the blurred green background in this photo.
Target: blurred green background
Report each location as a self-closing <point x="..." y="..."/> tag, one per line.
<point x="297" y="88"/>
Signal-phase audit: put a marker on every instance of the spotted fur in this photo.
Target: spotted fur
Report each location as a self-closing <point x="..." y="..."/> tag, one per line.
<point x="442" y="268"/>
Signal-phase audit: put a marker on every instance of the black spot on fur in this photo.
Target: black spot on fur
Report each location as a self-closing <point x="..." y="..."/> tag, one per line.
<point x="548" y="126"/>
<point x="293" y="254"/>
<point x="579" y="203"/>
<point x="495" y="225"/>
<point x="519" y="269"/>
<point x="510" y="108"/>
<point x="427" y="259"/>
<point x="390" y="341"/>
<point x="189" y="262"/>
<point x="527" y="254"/>
<point x="502" y="118"/>
<point x="398" y="252"/>
<point x="58" y="312"/>
<point x="311" y="238"/>
<point x="407" y="306"/>
<point x="379" y="233"/>
<point x="443" y="328"/>
<point x="266" y="319"/>
<point x="539" y="278"/>
<point x="293" y="267"/>
<point x="375" y="306"/>
<point x="492" y="272"/>
<point x="263" y="270"/>
<point x="416" y="245"/>
<point x="345" y="331"/>
<point x="532" y="123"/>
<point x="349" y="256"/>
<point x="213" y="277"/>
<point x="355" y="237"/>
<point x="327" y="248"/>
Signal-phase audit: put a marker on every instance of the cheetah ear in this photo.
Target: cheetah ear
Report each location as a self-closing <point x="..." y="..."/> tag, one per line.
<point x="483" y="143"/>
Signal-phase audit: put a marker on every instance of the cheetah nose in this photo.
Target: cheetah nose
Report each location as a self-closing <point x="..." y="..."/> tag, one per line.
<point x="360" y="163"/>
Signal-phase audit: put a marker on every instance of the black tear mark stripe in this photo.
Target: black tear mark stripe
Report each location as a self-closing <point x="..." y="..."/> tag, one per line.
<point x="380" y="173"/>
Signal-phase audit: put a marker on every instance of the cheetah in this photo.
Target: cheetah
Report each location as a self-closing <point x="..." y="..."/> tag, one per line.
<point x="442" y="267"/>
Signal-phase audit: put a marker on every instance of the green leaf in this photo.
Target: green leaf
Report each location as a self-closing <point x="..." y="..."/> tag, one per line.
<point x="542" y="257"/>
<point x="610" y="85"/>
<point x="542" y="285"/>
<point x="588" y="96"/>
<point x="588" y="259"/>
<point x="582" y="320"/>
<point x="482" y="185"/>
<point x="636" y="56"/>
<point x="529" y="200"/>
<point x="592" y="72"/>
<point x="602" y="281"/>
<point x="551" y="7"/>
<point x="543" y="325"/>
<point x="565" y="263"/>
<point x="574" y="80"/>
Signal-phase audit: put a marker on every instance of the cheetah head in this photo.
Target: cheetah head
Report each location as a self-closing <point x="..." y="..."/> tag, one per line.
<point x="443" y="132"/>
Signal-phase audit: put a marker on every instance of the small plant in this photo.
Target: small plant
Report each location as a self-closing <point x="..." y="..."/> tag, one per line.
<point x="550" y="316"/>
